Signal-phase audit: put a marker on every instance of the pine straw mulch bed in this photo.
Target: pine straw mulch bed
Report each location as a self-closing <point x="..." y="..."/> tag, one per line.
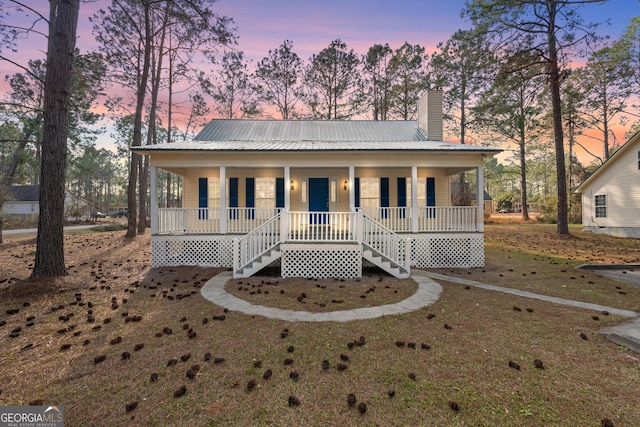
<point x="407" y="370"/>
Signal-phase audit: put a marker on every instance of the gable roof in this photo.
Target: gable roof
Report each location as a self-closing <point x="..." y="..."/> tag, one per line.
<point x="24" y="193"/>
<point x="311" y="135"/>
<point x="631" y="142"/>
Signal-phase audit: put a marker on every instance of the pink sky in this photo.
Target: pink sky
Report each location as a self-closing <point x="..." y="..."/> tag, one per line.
<point x="312" y="25"/>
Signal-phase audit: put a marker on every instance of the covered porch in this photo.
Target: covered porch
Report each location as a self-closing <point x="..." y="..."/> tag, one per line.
<point x="344" y="229"/>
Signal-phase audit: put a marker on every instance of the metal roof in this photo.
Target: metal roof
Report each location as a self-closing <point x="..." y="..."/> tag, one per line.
<point x="309" y="130"/>
<point x="312" y="135"/>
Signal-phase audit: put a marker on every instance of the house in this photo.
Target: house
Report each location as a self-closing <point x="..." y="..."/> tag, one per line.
<point x="488" y="200"/>
<point x="610" y="200"/>
<point x="322" y="198"/>
<point x="25" y="200"/>
<point x="22" y="200"/>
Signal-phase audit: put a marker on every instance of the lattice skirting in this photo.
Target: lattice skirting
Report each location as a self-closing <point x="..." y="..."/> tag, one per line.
<point x="463" y="250"/>
<point x="204" y="251"/>
<point x="326" y="260"/>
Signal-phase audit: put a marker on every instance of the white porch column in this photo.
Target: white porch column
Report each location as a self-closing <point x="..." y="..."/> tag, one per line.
<point x="352" y="192"/>
<point x="480" y="198"/>
<point x="414" y="199"/>
<point x="287" y="188"/>
<point x="223" y="200"/>
<point x="153" y="171"/>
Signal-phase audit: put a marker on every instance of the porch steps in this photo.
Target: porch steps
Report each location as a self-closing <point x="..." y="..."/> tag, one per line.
<point x="385" y="263"/>
<point x="259" y="263"/>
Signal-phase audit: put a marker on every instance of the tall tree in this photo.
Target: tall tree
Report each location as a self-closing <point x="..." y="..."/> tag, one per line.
<point x="129" y="31"/>
<point x="230" y="88"/>
<point x="278" y="79"/>
<point x="606" y="81"/>
<point x="549" y="28"/>
<point x="332" y="83"/>
<point x="63" y="23"/>
<point x="408" y="67"/>
<point x="511" y="110"/>
<point x="21" y="110"/>
<point x="630" y="40"/>
<point x="462" y="68"/>
<point x="378" y="73"/>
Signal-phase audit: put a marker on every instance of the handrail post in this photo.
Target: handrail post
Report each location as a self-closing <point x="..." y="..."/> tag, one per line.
<point x="407" y="254"/>
<point x="359" y="226"/>
<point x="284" y="225"/>
<point x="185" y="216"/>
<point x="236" y="255"/>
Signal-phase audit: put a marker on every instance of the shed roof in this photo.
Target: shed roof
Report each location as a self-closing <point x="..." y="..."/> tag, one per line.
<point x="24" y="193"/>
<point x="312" y="135"/>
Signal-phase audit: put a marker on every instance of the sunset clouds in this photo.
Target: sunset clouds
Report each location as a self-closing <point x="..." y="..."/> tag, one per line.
<point x="311" y="25"/>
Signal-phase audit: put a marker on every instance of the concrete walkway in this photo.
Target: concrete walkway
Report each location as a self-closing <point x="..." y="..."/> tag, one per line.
<point x="428" y="292"/>
<point x="526" y="294"/>
<point x="35" y="230"/>
<point x="626" y="334"/>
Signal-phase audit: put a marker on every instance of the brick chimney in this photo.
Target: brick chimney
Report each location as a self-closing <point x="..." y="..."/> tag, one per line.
<point x="430" y="115"/>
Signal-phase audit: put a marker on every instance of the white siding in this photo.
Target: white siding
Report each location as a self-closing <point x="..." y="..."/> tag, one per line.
<point x="619" y="180"/>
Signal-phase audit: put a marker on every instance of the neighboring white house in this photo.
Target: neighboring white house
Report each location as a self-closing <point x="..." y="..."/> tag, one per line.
<point x="22" y="200"/>
<point x="611" y="195"/>
<point x="25" y="200"/>
<point x="319" y="197"/>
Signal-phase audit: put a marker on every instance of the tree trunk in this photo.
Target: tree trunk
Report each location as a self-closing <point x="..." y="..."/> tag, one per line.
<point x="554" y="83"/>
<point x="63" y="23"/>
<point x="523" y="178"/>
<point x="132" y="207"/>
<point x="136" y="161"/>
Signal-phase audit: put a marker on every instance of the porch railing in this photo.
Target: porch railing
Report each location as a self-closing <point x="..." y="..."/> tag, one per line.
<point x="208" y="220"/>
<point x="320" y="226"/>
<point x="429" y="218"/>
<point x="317" y="225"/>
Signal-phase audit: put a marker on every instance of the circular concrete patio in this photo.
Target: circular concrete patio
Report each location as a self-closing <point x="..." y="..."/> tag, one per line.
<point x="428" y="292"/>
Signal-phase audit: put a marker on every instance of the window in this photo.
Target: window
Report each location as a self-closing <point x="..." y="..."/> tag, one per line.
<point x="601" y="205"/>
<point x="265" y="194"/>
<point x="369" y="192"/>
<point x="422" y="192"/>
<point x="214" y="193"/>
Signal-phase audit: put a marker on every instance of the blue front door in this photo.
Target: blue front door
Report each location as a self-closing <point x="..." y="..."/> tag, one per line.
<point x="318" y="199"/>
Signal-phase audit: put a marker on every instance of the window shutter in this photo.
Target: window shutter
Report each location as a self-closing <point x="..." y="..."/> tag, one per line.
<point x="250" y="200"/>
<point x="356" y="192"/>
<point x="402" y="196"/>
<point x="233" y="198"/>
<point x="203" y="197"/>
<point x="279" y="192"/>
<point x="431" y="196"/>
<point x="384" y="197"/>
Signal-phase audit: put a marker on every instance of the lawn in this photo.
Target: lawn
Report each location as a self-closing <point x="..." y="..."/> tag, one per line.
<point x="173" y="358"/>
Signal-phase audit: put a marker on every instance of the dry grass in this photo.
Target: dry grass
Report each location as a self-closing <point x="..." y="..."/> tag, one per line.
<point x="583" y="381"/>
<point x="322" y="295"/>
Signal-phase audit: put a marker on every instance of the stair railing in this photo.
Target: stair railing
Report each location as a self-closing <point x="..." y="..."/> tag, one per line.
<point x="384" y="241"/>
<point x="251" y="246"/>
